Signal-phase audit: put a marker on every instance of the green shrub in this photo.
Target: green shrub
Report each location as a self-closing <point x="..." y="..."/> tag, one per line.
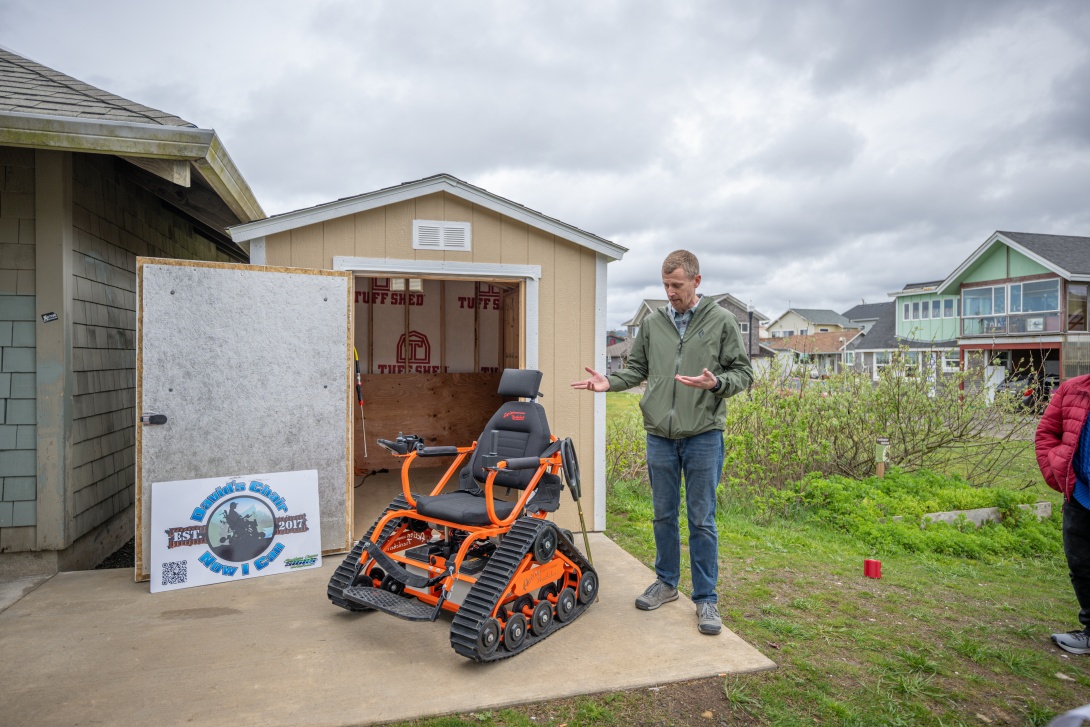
<point x="783" y="428"/>
<point x="865" y="510"/>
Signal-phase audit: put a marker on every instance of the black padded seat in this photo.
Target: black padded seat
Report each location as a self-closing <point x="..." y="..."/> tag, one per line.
<point x="461" y="507"/>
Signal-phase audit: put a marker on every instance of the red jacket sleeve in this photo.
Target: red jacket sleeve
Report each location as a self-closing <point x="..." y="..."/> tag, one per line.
<point x="1048" y="438"/>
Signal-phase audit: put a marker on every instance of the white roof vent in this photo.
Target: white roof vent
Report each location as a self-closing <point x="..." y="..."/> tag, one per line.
<point x="436" y="235"/>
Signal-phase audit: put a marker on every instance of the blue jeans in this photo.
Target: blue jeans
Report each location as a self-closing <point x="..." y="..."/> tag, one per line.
<point x="700" y="459"/>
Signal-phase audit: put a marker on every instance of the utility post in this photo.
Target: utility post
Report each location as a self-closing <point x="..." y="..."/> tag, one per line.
<point x="749" y="311"/>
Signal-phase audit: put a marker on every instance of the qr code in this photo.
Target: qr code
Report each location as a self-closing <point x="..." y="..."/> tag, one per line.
<point x="174" y="573"/>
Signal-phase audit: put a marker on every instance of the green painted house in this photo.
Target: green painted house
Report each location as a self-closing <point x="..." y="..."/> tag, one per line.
<point x="1023" y="301"/>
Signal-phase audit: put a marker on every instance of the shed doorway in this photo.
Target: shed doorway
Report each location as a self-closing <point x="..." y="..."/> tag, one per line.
<point x="431" y="352"/>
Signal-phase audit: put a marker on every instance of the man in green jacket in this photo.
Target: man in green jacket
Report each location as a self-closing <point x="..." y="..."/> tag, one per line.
<point x="690" y="352"/>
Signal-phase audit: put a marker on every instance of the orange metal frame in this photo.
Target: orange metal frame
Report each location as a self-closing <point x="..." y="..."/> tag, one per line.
<point x="527" y="576"/>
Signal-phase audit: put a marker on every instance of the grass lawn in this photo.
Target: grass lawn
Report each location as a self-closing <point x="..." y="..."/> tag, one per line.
<point x="936" y="641"/>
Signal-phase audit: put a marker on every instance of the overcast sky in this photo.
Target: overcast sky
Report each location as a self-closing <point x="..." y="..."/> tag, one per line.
<point x="812" y="154"/>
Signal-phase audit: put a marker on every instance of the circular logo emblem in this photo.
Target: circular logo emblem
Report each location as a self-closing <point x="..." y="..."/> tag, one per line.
<point x="241" y="528"/>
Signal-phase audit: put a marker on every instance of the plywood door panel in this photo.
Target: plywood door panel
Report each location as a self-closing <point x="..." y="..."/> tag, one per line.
<point x="252" y="366"/>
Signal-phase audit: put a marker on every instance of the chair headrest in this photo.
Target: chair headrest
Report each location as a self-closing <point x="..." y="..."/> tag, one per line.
<point x="520" y="382"/>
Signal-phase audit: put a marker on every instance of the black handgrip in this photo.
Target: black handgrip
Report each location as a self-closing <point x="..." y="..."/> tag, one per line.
<point x="523" y="463"/>
<point x="395" y="447"/>
<point x="437" y="451"/>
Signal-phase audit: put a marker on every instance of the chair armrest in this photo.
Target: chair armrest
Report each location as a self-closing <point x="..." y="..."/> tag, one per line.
<point x="522" y="463"/>
<point x="437" y="452"/>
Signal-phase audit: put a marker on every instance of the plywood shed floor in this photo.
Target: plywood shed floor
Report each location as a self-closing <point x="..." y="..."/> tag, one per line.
<point x="94" y="647"/>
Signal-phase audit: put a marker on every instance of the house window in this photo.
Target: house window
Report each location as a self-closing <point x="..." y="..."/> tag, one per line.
<point x="802" y="331"/>
<point x="1076" y="306"/>
<point x="908" y="311"/>
<point x="915" y="311"/>
<point x="925" y="310"/>
<point x="936" y="309"/>
<point x="1035" y="306"/>
<point x="948" y="308"/>
<point x="788" y="334"/>
<point x="823" y="330"/>
<point x="438" y="235"/>
<point x="978" y="305"/>
<point x="744" y="327"/>
<point x="951" y="360"/>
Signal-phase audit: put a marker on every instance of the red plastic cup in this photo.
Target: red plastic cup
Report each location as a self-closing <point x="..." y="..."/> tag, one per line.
<point x="872" y="568"/>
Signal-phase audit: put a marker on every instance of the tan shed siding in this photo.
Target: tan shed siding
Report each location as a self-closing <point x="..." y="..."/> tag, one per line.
<point x="18" y="393"/>
<point x="566" y="340"/>
<point x="278" y="250"/>
<point x="114" y="221"/>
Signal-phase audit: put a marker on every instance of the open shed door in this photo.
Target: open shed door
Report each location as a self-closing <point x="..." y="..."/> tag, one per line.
<point x="252" y="368"/>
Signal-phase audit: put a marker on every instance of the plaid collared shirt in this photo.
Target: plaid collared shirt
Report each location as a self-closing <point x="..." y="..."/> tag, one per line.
<point x="681" y="320"/>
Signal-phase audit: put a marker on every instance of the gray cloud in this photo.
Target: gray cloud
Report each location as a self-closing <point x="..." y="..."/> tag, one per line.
<point x="813" y="153"/>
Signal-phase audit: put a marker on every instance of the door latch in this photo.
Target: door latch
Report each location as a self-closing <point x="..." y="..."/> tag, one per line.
<point x="153" y="419"/>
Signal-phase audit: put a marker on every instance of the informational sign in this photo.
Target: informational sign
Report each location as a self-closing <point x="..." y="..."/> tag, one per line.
<point x="231" y="528"/>
<point x="881" y="449"/>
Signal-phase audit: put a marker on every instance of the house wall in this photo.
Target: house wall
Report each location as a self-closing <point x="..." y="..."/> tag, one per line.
<point x="751" y="342"/>
<point x="18" y="438"/>
<point x="98" y="221"/>
<point x="1003" y="262"/>
<point x="929" y="329"/>
<point x="790" y="321"/>
<point x="566" y="293"/>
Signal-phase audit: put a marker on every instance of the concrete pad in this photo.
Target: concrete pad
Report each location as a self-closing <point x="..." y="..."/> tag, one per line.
<point x="92" y="647"/>
<point x="12" y="590"/>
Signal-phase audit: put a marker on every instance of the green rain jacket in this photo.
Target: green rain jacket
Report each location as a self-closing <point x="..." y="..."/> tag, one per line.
<point x="712" y="341"/>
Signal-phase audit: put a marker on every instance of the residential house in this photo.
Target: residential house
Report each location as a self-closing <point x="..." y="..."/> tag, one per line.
<point x="865" y="315"/>
<point x="89" y="181"/>
<point x="803" y="321"/>
<point x="815" y="354"/>
<point x="875" y="348"/>
<point x="1023" y="303"/>
<point x="749" y="321"/>
<point x="615" y="337"/>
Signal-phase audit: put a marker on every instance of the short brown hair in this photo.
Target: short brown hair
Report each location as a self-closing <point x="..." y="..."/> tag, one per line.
<point x="681" y="259"/>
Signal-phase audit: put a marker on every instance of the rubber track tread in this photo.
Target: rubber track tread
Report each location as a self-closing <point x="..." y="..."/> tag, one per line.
<point x="483" y="597"/>
<point x="343" y="575"/>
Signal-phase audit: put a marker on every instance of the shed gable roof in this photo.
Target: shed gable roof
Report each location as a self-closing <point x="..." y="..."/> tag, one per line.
<point x="421" y="188"/>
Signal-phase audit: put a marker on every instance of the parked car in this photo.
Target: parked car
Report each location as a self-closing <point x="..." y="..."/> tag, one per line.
<point x="1032" y="391"/>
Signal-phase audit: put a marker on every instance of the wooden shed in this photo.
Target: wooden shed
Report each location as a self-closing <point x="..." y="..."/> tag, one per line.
<point x="452" y="284"/>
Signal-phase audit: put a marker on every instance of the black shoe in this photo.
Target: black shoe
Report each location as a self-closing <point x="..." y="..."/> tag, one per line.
<point x="1073" y="642"/>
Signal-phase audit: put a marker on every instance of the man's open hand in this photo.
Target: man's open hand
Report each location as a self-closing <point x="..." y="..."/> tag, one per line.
<point x="706" y="380"/>
<point x="596" y="382"/>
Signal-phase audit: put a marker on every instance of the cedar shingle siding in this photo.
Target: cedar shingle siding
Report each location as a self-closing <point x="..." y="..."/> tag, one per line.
<point x="18" y="440"/>
<point x="115" y="221"/>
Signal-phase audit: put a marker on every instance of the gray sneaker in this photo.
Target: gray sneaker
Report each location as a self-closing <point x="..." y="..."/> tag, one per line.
<point x="708" y="621"/>
<point x="656" y="594"/>
<point x="1074" y="642"/>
